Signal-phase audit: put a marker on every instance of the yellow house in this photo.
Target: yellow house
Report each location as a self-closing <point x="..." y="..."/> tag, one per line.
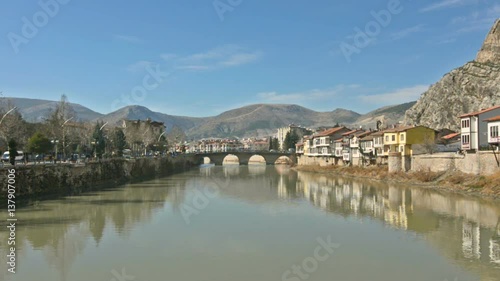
<point x="403" y="139"/>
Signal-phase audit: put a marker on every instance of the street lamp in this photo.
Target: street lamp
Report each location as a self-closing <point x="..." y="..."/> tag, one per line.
<point x="7" y="113"/>
<point x="102" y="127"/>
<point x="160" y="136"/>
<point x="64" y="137"/>
<point x="55" y="142"/>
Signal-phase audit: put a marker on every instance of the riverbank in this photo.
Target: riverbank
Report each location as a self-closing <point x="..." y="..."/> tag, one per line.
<point x="484" y="186"/>
<point x="35" y="182"/>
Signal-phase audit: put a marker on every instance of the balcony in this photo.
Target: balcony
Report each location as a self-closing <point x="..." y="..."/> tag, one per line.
<point x="493" y="140"/>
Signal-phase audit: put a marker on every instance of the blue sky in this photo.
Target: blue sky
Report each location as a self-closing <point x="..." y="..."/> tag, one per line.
<point x="202" y="57"/>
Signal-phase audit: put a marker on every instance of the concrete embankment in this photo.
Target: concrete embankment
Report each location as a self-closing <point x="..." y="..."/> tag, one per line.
<point x="38" y="181"/>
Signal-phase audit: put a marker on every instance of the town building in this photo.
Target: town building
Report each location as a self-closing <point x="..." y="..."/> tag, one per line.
<point x="409" y="139"/>
<point x="322" y="143"/>
<point x="474" y="128"/>
<point x="493" y="127"/>
<point x="346" y="145"/>
<point x="298" y="130"/>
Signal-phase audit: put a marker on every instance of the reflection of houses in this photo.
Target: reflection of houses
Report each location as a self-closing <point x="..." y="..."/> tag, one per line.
<point x="463" y="228"/>
<point x="474" y="128"/>
<point x="471" y="241"/>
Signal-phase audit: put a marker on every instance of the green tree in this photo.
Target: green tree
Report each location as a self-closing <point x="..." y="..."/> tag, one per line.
<point x="291" y="140"/>
<point x="270" y="143"/>
<point x="99" y="140"/>
<point x="39" y="143"/>
<point x="276" y="144"/>
<point x="287" y="141"/>
<point x="119" y="141"/>
<point x="12" y="151"/>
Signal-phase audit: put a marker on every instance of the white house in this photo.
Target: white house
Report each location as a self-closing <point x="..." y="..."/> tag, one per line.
<point x="474" y="129"/>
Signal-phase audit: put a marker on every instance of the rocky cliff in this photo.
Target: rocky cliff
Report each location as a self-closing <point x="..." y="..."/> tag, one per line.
<point x="472" y="87"/>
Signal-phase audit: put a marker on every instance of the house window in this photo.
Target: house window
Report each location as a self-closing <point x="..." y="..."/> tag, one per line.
<point x="402" y="137"/>
<point x="465" y="139"/>
<point x="466" y="123"/>
<point x="393" y="137"/>
<point x="494" y="132"/>
<point x="386" y="138"/>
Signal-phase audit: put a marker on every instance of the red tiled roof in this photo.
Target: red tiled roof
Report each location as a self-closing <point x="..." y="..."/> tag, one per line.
<point x="367" y="138"/>
<point x="349" y="133"/>
<point x="480" y="112"/>
<point x="450" y="136"/>
<point x="329" y="132"/>
<point x="492" y="119"/>
<point x="363" y="134"/>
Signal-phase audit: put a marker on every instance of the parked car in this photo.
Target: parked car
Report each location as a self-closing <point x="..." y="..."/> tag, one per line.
<point x="19" y="157"/>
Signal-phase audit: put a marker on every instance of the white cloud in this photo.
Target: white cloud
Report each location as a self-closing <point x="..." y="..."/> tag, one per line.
<point x="220" y="57"/>
<point x="298" y="97"/>
<point x="168" y="57"/>
<point x="397" y="96"/>
<point x="128" y="38"/>
<point x="445" y="4"/>
<point x="408" y="31"/>
<point x="139" y="66"/>
<point x="477" y="20"/>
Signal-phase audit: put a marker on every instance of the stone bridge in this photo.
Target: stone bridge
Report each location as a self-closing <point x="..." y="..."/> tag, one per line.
<point x="217" y="158"/>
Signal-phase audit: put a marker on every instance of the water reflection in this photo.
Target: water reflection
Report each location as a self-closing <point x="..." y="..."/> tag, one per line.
<point x="463" y="229"/>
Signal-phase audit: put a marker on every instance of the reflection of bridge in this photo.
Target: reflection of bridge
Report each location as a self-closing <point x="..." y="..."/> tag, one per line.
<point x="217" y="158"/>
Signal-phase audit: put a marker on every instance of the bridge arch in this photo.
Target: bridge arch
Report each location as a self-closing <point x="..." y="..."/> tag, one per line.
<point x="231" y="159"/>
<point x="243" y="157"/>
<point x="206" y="160"/>
<point x="285" y="160"/>
<point x="257" y="159"/>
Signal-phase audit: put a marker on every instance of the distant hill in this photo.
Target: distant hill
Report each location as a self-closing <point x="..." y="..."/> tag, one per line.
<point x="34" y="110"/>
<point x="388" y="115"/>
<point x="263" y="119"/>
<point x="257" y="120"/>
<point x="135" y="112"/>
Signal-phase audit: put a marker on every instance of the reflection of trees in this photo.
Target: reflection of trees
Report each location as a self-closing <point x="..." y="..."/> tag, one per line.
<point x="60" y="229"/>
<point x="464" y="229"/>
<point x="97" y="222"/>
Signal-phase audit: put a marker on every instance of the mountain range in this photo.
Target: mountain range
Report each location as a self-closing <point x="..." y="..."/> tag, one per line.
<point x="257" y="120"/>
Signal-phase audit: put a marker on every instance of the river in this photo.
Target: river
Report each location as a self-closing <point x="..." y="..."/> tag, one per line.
<point x="257" y="222"/>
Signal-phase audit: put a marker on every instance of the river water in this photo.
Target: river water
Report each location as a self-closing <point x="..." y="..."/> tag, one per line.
<point x="260" y="223"/>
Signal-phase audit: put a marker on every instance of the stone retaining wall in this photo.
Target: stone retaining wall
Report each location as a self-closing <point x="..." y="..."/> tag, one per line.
<point x="480" y="163"/>
<point x="48" y="179"/>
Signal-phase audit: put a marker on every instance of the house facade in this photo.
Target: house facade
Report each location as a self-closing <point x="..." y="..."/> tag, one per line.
<point x="474" y="128"/>
<point x="322" y="144"/>
<point x="405" y="139"/>
<point x="349" y="145"/>
<point x="493" y="131"/>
